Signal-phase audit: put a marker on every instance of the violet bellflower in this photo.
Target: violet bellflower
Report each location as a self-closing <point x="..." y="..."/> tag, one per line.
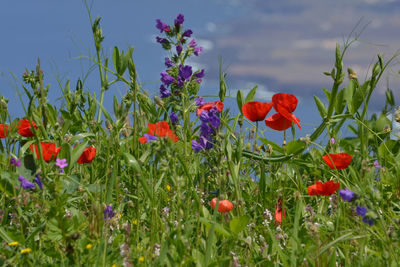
<point x="15" y="162"/>
<point x="108" y="212"/>
<point x="368" y="220"/>
<point x="185" y="72"/>
<point x="199" y="101"/>
<point x="179" y="49"/>
<point x="166" y="79"/>
<point x="361" y="211"/>
<point x="187" y="33"/>
<point x="168" y="63"/>
<point x="164" y="92"/>
<point x="173" y="117"/>
<point x="162" y="26"/>
<point x="38" y="181"/>
<point x="25" y="183"/>
<point x="347" y="194"/>
<point x="198" y="50"/>
<point x="179" y="20"/>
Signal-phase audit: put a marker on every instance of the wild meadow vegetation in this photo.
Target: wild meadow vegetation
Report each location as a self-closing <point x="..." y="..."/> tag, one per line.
<point x="179" y="180"/>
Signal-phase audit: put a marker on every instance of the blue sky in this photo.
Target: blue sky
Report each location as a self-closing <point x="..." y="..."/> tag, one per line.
<point x="281" y="46"/>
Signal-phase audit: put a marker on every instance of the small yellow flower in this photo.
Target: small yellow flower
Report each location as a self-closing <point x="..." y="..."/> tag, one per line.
<point x="114" y="265"/>
<point x="168" y="199"/>
<point x="12" y="244"/>
<point x="25" y="250"/>
<point x="141" y="259"/>
<point x="135" y="222"/>
<point x="168" y="187"/>
<point x="89" y="246"/>
<point x="120" y="215"/>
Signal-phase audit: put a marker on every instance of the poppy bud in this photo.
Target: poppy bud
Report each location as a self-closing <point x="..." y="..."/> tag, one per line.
<point x="223" y="205"/>
<point x="158" y="101"/>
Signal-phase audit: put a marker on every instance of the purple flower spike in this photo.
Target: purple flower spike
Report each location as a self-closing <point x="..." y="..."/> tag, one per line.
<point x="185" y="72"/>
<point x="25" y="183"/>
<point x="198" y="50"/>
<point x="38" y="181"/>
<point x="361" y="211"/>
<point x="166" y="78"/>
<point x="108" y="212"/>
<point x="204" y="117"/>
<point x="164" y="92"/>
<point x="214" y="120"/>
<point x="174" y="118"/>
<point x="206" y="130"/>
<point x="187" y="33"/>
<point x="199" y="74"/>
<point x="179" y="20"/>
<point x="178" y="49"/>
<point x="162" y="26"/>
<point x="168" y="62"/>
<point x="347" y="194"/>
<point x="15" y="162"/>
<point x="376" y="164"/>
<point x="199" y="101"/>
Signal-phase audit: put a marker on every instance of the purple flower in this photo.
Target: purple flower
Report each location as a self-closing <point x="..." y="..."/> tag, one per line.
<point x="179" y="20"/>
<point x="164" y="92"/>
<point x="185" y="72"/>
<point x="376" y="164"/>
<point x="25" y="183"/>
<point x="38" y="181"/>
<point x="61" y="163"/>
<point x="162" y="26"/>
<point x="199" y="101"/>
<point x="187" y="33"/>
<point x="15" y="162"/>
<point x="178" y="49"/>
<point x="108" y="212"/>
<point x="347" y="194"/>
<point x="192" y="43"/>
<point x="168" y="62"/>
<point x="214" y="120"/>
<point x="173" y="117"/>
<point x="198" y="50"/>
<point x="179" y="82"/>
<point x="332" y="141"/>
<point x="204" y="117"/>
<point x="206" y="130"/>
<point x="197" y="80"/>
<point x="166" y="78"/>
<point x="161" y="40"/>
<point x="149" y="137"/>
<point x="368" y="220"/>
<point x="361" y="211"/>
<point x="199" y="74"/>
<point x="196" y="146"/>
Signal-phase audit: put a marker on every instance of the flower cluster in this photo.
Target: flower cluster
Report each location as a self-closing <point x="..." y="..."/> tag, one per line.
<point x="283" y="104"/>
<point x="350" y="196"/>
<point x="177" y="74"/>
<point x="209" y="116"/>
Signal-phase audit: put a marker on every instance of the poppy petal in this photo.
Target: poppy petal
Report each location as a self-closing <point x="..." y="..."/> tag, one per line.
<point x="255" y="110"/>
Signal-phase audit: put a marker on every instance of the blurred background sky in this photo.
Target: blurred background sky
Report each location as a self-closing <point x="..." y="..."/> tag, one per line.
<point x="281" y="46"/>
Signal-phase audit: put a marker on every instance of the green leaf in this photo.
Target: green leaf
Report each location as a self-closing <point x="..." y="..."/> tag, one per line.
<point x="294" y="147"/>
<point x="320" y="106"/>
<point x="339" y="105"/>
<point x="116" y="59"/>
<point x="251" y="94"/>
<point x="111" y="184"/>
<point x="218" y="227"/>
<point x="77" y="152"/>
<point x="238" y="224"/>
<point x="239" y="100"/>
<point x="4" y="235"/>
<point x="348" y="96"/>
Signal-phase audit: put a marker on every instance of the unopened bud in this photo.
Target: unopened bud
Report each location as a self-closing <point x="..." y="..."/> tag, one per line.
<point x="352" y="74"/>
<point x="158" y="101"/>
<point x="397" y="115"/>
<point x="109" y="125"/>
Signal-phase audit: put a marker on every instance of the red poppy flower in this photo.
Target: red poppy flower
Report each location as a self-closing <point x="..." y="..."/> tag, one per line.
<point x="223" y="205"/>
<point x="49" y="150"/>
<point x="278" y="212"/>
<point x="3" y="130"/>
<point x="160" y="129"/>
<point x="255" y="110"/>
<point x="285" y="104"/>
<point x="88" y="155"/>
<point x="339" y="161"/>
<point x="324" y="189"/>
<point x="25" y="128"/>
<point x="278" y="122"/>
<point x="209" y="105"/>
